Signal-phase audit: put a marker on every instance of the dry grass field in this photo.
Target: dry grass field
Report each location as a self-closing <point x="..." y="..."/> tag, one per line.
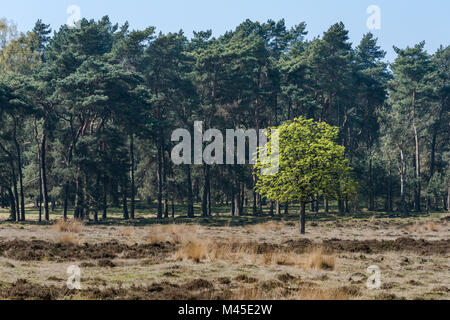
<point x="233" y="260"/>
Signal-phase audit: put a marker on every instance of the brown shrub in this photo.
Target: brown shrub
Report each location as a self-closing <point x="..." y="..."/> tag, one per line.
<point x="319" y="259"/>
<point x="424" y="227"/>
<point x="68" y="238"/>
<point x="194" y="249"/>
<point x="266" y="226"/>
<point x="73" y="226"/>
<point x="174" y="233"/>
<point x="326" y="294"/>
<point x="126" y="232"/>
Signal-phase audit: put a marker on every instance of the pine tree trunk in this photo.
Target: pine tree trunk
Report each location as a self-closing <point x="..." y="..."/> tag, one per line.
<point x="44" y="176"/>
<point x="173" y="209"/>
<point x="371" y="187"/>
<point x="159" y="178"/>
<point x="254" y="210"/>
<point x="341" y="206"/>
<point x="237" y="203"/>
<point x="132" y="180"/>
<point x="205" y="190"/>
<point x="209" y="198"/>
<point x="124" y="202"/>
<point x="418" y="182"/>
<point x="389" y="189"/>
<point x="448" y="198"/>
<point x="16" y="193"/>
<point x="402" y="182"/>
<point x="105" y="202"/>
<point x="165" y="194"/>
<point x="86" y="201"/>
<point x="189" y="192"/>
<point x="40" y="188"/>
<point x="12" y="202"/>
<point x="19" y="168"/>
<point x="233" y="208"/>
<point x="78" y="202"/>
<point x="66" y="199"/>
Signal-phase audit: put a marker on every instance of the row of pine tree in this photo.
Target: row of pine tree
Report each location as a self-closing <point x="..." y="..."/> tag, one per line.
<point x="86" y="115"/>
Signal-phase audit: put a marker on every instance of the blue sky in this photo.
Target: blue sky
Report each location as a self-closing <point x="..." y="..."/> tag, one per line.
<point x="403" y="22"/>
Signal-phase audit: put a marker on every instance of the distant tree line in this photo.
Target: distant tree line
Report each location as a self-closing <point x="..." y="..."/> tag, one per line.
<point x="86" y="116"/>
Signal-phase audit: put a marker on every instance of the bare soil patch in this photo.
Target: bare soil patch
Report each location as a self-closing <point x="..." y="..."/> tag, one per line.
<point x="43" y="250"/>
<point x="421" y="246"/>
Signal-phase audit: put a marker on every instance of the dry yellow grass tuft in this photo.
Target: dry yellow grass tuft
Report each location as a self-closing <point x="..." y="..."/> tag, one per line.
<point x="126" y="232"/>
<point x="263" y="227"/>
<point x="74" y="226"/>
<point x="319" y="259"/>
<point x="281" y="259"/>
<point x="261" y="293"/>
<point x="68" y="238"/>
<point x="174" y="233"/>
<point x="251" y="293"/>
<point x="194" y="249"/>
<point x="425" y="227"/>
<point x="324" y="294"/>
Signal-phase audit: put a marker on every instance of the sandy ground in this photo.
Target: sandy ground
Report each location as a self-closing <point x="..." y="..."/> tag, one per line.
<point x="148" y="262"/>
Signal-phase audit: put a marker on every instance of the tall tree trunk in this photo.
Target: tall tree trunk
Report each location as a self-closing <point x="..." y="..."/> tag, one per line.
<point x="165" y="190"/>
<point x="371" y="205"/>
<point x="159" y="178"/>
<point x="78" y="197"/>
<point x="389" y="189"/>
<point x="241" y="206"/>
<point x="326" y="205"/>
<point x="86" y="201"/>
<point x="278" y="211"/>
<point x="16" y="193"/>
<point x="105" y="202"/>
<point x="132" y="180"/>
<point x="124" y="202"/>
<point x="237" y="202"/>
<point x="19" y="168"/>
<point x="341" y="206"/>
<point x="209" y="198"/>
<point x="302" y="217"/>
<point x="448" y="198"/>
<point x="12" y="202"/>
<point x="418" y="182"/>
<point x="22" y="194"/>
<point x="173" y="208"/>
<point x="40" y="188"/>
<point x="402" y="182"/>
<point x="254" y="209"/>
<point x="189" y="192"/>
<point x="44" y="175"/>
<point x="205" y="190"/>
<point x="233" y="207"/>
<point x="433" y="146"/>
<point x="66" y="199"/>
